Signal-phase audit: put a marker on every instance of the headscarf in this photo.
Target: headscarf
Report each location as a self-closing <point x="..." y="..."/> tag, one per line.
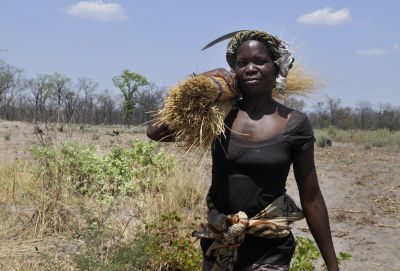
<point x="279" y="49"/>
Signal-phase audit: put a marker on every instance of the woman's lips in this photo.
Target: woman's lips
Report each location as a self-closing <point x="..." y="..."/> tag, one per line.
<point x="252" y="80"/>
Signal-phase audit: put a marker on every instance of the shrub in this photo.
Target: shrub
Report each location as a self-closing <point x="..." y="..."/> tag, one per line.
<point x="323" y="141"/>
<point x="156" y="247"/>
<point x="7" y="136"/>
<point x="72" y="169"/>
<point x="376" y="138"/>
<point x="120" y="172"/>
<point x="170" y="248"/>
<point x="95" y="136"/>
<point x="307" y="254"/>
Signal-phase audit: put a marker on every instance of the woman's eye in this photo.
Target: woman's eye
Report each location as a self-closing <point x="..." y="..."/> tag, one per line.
<point x="241" y="63"/>
<point x="260" y="61"/>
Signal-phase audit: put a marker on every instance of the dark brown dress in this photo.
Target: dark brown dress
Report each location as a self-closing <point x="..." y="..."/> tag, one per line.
<point x="247" y="176"/>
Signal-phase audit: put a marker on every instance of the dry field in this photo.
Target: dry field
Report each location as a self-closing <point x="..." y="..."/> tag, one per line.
<point x="361" y="188"/>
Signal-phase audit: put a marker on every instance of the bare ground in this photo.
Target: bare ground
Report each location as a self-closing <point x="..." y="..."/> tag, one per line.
<point x="361" y="187"/>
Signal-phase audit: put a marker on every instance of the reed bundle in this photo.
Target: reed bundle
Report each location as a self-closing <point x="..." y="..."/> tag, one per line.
<point x="195" y="110"/>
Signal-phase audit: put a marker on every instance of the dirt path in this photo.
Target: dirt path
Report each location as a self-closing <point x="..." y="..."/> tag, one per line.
<point x="362" y="191"/>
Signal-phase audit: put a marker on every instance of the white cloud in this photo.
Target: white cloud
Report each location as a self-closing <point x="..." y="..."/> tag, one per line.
<point x="326" y="16"/>
<point x="396" y="46"/>
<point x="372" y="52"/>
<point x="97" y="10"/>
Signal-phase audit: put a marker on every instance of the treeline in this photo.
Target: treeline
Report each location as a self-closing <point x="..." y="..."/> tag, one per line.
<point x="363" y="116"/>
<point x="57" y="98"/>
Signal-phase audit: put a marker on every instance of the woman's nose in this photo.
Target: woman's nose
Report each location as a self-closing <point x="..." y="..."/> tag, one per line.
<point x="251" y="68"/>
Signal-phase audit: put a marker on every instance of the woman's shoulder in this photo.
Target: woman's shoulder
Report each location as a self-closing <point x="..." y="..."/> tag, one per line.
<point x="296" y="118"/>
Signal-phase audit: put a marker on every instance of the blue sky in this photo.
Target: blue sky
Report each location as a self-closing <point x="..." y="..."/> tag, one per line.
<point x="353" y="46"/>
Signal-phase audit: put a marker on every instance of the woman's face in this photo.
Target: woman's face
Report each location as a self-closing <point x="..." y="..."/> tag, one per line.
<point x="255" y="70"/>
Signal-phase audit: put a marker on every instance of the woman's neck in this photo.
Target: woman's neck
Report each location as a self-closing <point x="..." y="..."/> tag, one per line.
<point x="259" y="104"/>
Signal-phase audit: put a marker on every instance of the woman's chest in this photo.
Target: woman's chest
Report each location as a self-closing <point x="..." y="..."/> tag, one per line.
<point x="270" y="155"/>
<point x="257" y="128"/>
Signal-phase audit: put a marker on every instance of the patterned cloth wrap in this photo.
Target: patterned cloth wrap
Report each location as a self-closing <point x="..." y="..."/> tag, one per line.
<point x="228" y="231"/>
<point x="279" y="49"/>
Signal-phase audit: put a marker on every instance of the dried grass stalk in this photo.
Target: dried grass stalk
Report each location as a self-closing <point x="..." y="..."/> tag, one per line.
<point x="195" y="109"/>
<point x="299" y="83"/>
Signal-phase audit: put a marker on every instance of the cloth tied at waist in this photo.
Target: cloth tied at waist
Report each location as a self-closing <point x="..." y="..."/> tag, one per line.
<point x="228" y="231"/>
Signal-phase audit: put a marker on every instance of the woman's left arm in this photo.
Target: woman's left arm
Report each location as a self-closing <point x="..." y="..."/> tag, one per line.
<point x="313" y="205"/>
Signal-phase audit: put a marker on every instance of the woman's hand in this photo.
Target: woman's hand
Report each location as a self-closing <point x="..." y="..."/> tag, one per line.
<point x="158" y="132"/>
<point x="229" y="77"/>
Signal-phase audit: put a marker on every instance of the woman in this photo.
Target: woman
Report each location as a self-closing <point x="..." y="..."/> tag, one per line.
<point x="251" y="163"/>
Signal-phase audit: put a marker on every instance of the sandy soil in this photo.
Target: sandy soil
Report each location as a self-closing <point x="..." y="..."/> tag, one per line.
<point x="361" y="189"/>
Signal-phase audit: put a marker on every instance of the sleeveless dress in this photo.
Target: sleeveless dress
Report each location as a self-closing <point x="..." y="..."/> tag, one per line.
<point x="247" y="176"/>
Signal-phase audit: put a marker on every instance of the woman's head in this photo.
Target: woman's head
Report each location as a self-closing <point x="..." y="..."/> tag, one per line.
<point x="255" y="68"/>
<point x="276" y="48"/>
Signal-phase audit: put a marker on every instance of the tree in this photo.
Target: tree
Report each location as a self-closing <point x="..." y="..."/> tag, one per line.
<point x="106" y="108"/>
<point x="148" y="101"/>
<point x="128" y="83"/>
<point x="333" y="108"/>
<point x="388" y="117"/>
<point x="293" y="103"/>
<point x="365" y="112"/>
<point x="60" y="86"/>
<point x="70" y="103"/>
<point x="12" y="83"/>
<point x="86" y="105"/>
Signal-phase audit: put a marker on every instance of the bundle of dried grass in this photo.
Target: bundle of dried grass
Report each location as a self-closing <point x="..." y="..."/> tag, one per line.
<point x="299" y="83"/>
<point x="196" y="108"/>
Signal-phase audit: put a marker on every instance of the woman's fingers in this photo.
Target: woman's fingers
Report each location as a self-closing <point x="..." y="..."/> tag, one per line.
<point x="229" y="77"/>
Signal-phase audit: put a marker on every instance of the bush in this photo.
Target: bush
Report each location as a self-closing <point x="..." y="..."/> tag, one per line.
<point x="120" y="172"/>
<point x="376" y="138"/>
<point x="307" y="254"/>
<point x="156" y="247"/>
<point x="95" y="136"/>
<point x="323" y="141"/>
<point x="7" y="136"/>
<point x="169" y="248"/>
<point x="74" y="170"/>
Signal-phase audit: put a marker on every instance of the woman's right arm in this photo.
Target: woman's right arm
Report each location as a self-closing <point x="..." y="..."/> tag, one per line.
<point x="158" y="132"/>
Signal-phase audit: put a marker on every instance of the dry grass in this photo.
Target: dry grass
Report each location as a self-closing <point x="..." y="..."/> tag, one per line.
<point x="185" y="193"/>
<point x="15" y="182"/>
<point x="385" y="203"/>
<point x="299" y="83"/>
<point x="195" y="110"/>
<point x="16" y="193"/>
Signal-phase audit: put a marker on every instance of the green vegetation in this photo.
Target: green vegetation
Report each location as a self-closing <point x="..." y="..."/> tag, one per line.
<point x="376" y="138"/>
<point x="128" y="83"/>
<point x="307" y="254"/>
<point x="322" y="141"/>
<point x="82" y="192"/>
<point x="119" y="172"/>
